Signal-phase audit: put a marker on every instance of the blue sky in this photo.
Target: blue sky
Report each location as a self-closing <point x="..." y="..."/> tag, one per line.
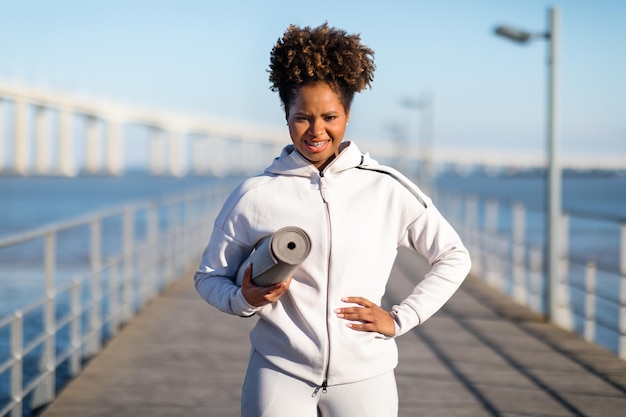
<point x="210" y="58"/>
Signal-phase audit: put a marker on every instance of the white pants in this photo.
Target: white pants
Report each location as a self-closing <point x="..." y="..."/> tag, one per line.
<point x="269" y="392"/>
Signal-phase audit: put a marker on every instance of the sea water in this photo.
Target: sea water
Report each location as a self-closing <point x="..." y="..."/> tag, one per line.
<point x="596" y="203"/>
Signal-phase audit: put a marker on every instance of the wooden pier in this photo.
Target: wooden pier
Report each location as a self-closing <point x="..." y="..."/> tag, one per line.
<point x="481" y="356"/>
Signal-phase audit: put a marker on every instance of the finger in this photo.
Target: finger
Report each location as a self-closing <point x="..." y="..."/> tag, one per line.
<point x="247" y="276"/>
<point x="361" y="314"/>
<point x="352" y="310"/>
<point x="274" y="292"/>
<point x="359" y="310"/>
<point x="363" y="327"/>
<point x="280" y="286"/>
<point x="358" y="300"/>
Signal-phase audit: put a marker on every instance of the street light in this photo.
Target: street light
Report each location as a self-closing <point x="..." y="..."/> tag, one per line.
<point x="425" y="106"/>
<point x="553" y="238"/>
<point x="520" y="36"/>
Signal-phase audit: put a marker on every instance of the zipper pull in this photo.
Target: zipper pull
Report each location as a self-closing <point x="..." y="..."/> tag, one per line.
<point x="324" y="388"/>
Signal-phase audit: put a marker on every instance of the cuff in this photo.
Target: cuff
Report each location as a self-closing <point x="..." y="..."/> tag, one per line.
<point x="405" y="318"/>
<point x="241" y="307"/>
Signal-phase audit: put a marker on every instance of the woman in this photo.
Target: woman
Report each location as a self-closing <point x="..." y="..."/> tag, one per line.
<point x="323" y="346"/>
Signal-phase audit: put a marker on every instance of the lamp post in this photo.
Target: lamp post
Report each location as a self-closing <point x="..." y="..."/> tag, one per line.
<point x="425" y="106"/>
<point x="553" y="238"/>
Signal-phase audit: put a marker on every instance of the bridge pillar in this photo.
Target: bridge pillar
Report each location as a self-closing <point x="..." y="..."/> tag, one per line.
<point x="114" y="147"/>
<point x="216" y="155"/>
<point x="93" y="145"/>
<point x="42" y="140"/>
<point x="175" y="163"/>
<point x="67" y="165"/>
<point x="200" y="154"/>
<point x="21" y="148"/>
<point x="157" y="151"/>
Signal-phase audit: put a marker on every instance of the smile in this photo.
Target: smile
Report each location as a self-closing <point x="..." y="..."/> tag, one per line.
<point x="316" y="146"/>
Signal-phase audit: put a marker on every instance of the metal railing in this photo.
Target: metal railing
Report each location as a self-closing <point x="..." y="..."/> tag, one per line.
<point x="507" y="247"/>
<point x="128" y="255"/>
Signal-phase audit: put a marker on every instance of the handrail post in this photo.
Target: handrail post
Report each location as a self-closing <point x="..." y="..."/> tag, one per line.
<point x="622" y="298"/>
<point x="490" y="245"/>
<point x="94" y="342"/>
<point x="17" y="376"/>
<point x="178" y="240"/>
<point x="115" y="309"/>
<point x="590" y="290"/>
<point x="45" y="391"/>
<point x="50" y="314"/>
<point x="76" y="339"/>
<point x="128" y="233"/>
<point x="189" y="232"/>
<point x="152" y="238"/>
<point x="519" y="237"/>
<point x="471" y="232"/>
<point x="562" y="311"/>
<point x="173" y="241"/>
<point x="537" y="299"/>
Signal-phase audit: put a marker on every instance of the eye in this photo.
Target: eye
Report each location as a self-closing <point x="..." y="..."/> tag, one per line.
<point x="330" y="118"/>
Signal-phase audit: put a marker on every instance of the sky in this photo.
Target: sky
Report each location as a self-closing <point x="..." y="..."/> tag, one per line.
<point x="210" y="59"/>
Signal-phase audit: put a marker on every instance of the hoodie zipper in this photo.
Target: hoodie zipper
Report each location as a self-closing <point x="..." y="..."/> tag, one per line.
<point x="324" y="195"/>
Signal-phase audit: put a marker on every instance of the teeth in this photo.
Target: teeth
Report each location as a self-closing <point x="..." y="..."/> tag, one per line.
<point x="317" y="144"/>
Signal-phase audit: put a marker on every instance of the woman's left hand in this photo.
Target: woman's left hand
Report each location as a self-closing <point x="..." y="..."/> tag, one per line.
<point x="367" y="316"/>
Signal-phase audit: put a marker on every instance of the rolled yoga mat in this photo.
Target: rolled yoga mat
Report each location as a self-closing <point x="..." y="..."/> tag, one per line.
<point x="276" y="256"/>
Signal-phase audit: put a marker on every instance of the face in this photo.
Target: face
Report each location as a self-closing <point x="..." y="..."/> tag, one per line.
<point x="317" y="123"/>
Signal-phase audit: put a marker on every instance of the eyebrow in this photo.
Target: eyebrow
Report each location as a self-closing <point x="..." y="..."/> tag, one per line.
<point x="328" y="113"/>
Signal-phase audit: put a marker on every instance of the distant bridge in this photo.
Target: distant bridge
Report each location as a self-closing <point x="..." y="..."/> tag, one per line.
<point x="48" y="127"/>
<point x="43" y="132"/>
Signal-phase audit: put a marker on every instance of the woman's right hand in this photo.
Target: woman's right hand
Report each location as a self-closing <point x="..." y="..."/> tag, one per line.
<point x="260" y="296"/>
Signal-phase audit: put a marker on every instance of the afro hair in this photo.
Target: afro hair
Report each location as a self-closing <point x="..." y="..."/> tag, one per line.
<point x="309" y="55"/>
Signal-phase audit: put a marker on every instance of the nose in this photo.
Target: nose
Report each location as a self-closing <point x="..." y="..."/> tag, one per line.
<point x="316" y="129"/>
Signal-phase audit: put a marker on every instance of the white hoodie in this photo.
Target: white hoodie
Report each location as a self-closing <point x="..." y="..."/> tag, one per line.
<point x="356" y="219"/>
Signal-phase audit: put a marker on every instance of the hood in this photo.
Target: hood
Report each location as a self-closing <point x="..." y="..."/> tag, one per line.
<point x="290" y="162"/>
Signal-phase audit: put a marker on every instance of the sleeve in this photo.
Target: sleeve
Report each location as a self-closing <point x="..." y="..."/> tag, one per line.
<point x="432" y="236"/>
<point x="215" y="277"/>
